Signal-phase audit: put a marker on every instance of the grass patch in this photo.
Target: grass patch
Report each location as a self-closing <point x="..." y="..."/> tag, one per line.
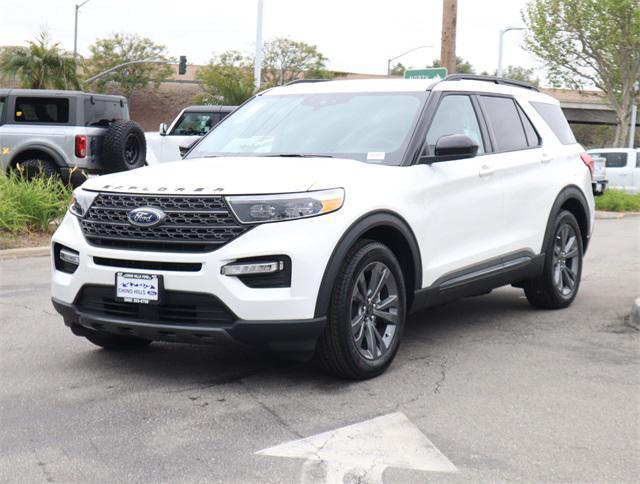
<point x="27" y="206"/>
<point x="618" y="201"/>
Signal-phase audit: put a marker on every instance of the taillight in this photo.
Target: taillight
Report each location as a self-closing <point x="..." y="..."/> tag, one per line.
<point x="81" y="146"/>
<point x="587" y="160"/>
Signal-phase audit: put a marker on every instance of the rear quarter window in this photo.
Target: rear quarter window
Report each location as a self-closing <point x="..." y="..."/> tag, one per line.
<point x="42" y="110"/>
<point x="554" y="117"/>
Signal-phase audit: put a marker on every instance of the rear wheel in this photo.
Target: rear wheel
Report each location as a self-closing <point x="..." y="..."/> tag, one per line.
<point x="115" y="341"/>
<point x="558" y="284"/>
<point x="33" y="168"/>
<point x="367" y="316"/>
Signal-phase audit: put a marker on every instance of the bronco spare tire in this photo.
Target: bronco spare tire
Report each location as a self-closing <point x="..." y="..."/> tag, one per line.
<point x="124" y="147"/>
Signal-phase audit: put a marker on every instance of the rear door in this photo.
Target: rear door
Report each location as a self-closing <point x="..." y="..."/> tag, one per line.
<point x="520" y="170"/>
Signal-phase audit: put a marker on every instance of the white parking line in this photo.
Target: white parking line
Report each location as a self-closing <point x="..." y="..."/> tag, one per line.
<point x="365" y="449"/>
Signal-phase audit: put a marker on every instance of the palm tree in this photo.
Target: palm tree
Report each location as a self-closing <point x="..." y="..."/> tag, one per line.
<point x="41" y="65"/>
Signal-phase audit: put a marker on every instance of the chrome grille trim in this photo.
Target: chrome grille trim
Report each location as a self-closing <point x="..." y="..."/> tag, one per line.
<point x="193" y="223"/>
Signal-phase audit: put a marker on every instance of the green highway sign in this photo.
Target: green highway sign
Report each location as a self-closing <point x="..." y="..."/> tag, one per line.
<point x="429" y="73"/>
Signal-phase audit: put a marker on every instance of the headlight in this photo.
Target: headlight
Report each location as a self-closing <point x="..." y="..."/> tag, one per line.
<point x="274" y="208"/>
<point x="81" y="200"/>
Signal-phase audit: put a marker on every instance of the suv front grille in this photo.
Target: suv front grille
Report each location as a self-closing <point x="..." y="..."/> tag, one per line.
<point x="176" y="307"/>
<point x="192" y="223"/>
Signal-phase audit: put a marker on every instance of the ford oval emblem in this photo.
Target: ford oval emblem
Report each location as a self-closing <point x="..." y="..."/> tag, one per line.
<point x="146" y="216"/>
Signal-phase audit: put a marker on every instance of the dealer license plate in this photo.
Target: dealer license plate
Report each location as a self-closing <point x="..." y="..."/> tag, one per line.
<point x="137" y="288"/>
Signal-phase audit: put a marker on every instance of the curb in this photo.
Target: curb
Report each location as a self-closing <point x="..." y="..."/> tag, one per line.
<point x="604" y="215"/>
<point x="634" y="319"/>
<point x="8" y="254"/>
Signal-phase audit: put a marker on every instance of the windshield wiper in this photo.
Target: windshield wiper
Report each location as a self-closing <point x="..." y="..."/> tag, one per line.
<point x="294" y="155"/>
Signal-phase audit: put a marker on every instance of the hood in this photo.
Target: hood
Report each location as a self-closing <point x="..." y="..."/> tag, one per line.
<point x="231" y="176"/>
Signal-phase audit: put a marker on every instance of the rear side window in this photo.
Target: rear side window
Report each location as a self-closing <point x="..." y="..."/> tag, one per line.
<point x="638" y="159"/>
<point x="505" y="123"/>
<point x="1" y="109"/>
<point x="554" y="117"/>
<point x="614" y="160"/>
<point x="42" y="110"/>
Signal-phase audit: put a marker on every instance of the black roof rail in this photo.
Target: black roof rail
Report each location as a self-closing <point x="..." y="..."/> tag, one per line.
<point x="494" y="79"/>
<point x="302" y="81"/>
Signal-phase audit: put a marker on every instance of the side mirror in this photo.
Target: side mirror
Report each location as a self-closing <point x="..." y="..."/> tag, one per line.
<point x="453" y="147"/>
<point x="183" y="149"/>
<point x="163" y="129"/>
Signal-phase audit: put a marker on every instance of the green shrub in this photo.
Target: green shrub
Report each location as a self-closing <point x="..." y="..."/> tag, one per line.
<point x="618" y="201"/>
<point x="31" y="205"/>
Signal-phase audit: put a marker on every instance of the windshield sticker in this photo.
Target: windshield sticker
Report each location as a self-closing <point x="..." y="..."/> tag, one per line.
<point x="376" y="155"/>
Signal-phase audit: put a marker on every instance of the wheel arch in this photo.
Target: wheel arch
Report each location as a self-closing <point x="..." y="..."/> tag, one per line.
<point x="573" y="200"/>
<point x="385" y="227"/>
<point x="30" y="152"/>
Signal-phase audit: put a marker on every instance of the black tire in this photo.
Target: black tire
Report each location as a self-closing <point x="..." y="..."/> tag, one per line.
<point x="115" y="341"/>
<point x="123" y="147"/>
<point x="338" y="350"/>
<point x="561" y="267"/>
<point x="30" y="169"/>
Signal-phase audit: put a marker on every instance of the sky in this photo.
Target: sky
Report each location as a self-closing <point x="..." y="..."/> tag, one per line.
<point x="356" y="35"/>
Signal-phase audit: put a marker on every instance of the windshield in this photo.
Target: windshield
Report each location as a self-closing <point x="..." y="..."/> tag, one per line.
<point x="373" y="127"/>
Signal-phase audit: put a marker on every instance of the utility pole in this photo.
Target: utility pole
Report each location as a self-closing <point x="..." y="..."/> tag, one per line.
<point x="501" y="47"/>
<point x="448" y="44"/>
<point x="257" y="67"/>
<point x="75" y="29"/>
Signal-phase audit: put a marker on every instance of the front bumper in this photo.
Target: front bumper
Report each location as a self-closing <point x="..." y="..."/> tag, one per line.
<point x="599" y="187"/>
<point x="292" y="335"/>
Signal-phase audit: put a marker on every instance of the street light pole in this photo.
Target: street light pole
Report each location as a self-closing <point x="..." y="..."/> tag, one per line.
<point x="501" y="46"/>
<point x="257" y="68"/>
<point x="403" y="54"/>
<point x="75" y="29"/>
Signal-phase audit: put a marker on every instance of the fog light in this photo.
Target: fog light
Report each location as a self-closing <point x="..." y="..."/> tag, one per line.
<point x="70" y="257"/>
<point x="252" y="268"/>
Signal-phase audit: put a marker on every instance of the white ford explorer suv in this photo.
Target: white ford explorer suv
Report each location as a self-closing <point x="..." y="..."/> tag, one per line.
<point x="319" y="215"/>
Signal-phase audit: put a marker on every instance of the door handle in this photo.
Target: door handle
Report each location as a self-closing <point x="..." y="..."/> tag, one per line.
<point x="545" y="158"/>
<point x="485" y="171"/>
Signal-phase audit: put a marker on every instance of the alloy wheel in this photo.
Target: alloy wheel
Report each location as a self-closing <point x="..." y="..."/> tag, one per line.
<point x="566" y="260"/>
<point x="374" y="310"/>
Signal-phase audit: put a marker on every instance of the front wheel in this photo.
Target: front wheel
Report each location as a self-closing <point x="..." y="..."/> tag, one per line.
<point x="367" y="315"/>
<point x="558" y="284"/>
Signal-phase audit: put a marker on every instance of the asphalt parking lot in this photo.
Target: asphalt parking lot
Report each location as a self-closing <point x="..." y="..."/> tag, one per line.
<point x="503" y="392"/>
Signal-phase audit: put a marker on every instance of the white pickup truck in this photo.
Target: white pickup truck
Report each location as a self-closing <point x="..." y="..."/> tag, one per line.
<point x="623" y="167"/>
<point x="192" y="123"/>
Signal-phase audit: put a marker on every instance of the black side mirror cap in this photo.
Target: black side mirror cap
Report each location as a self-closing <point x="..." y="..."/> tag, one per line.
<point x="452" y="147"/>
<point x="184" y="149"/>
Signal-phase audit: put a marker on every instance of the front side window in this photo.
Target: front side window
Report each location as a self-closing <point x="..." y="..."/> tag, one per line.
<point x="2" y="103"/>
<point x="613" y="160"/>
<point x="195" y="124"/>
<point x="455" y="115"/>
<point x="638" y="159"/>
<point x="374" y="127"/>
<point x="41" y="110"/>
<point x="505" y="123"/>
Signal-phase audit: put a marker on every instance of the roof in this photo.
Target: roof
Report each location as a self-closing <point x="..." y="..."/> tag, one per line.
<point x="359" y="85"/>
<point x="209" y="108"/>
<point x="408" y="85"/>
<point x="52" y="92"/>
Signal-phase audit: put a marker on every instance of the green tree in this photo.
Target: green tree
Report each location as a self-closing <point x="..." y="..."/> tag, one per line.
<point x="519" y="73"/>
<point x="398" y="69"/>
<point x="462" y="66"/>
<point x="286" y="60"/>
<point x="590" y="42"/>
<point x="120" y="48"/>
<point x="41" y="65"/>
<point x="227" y="79"/>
